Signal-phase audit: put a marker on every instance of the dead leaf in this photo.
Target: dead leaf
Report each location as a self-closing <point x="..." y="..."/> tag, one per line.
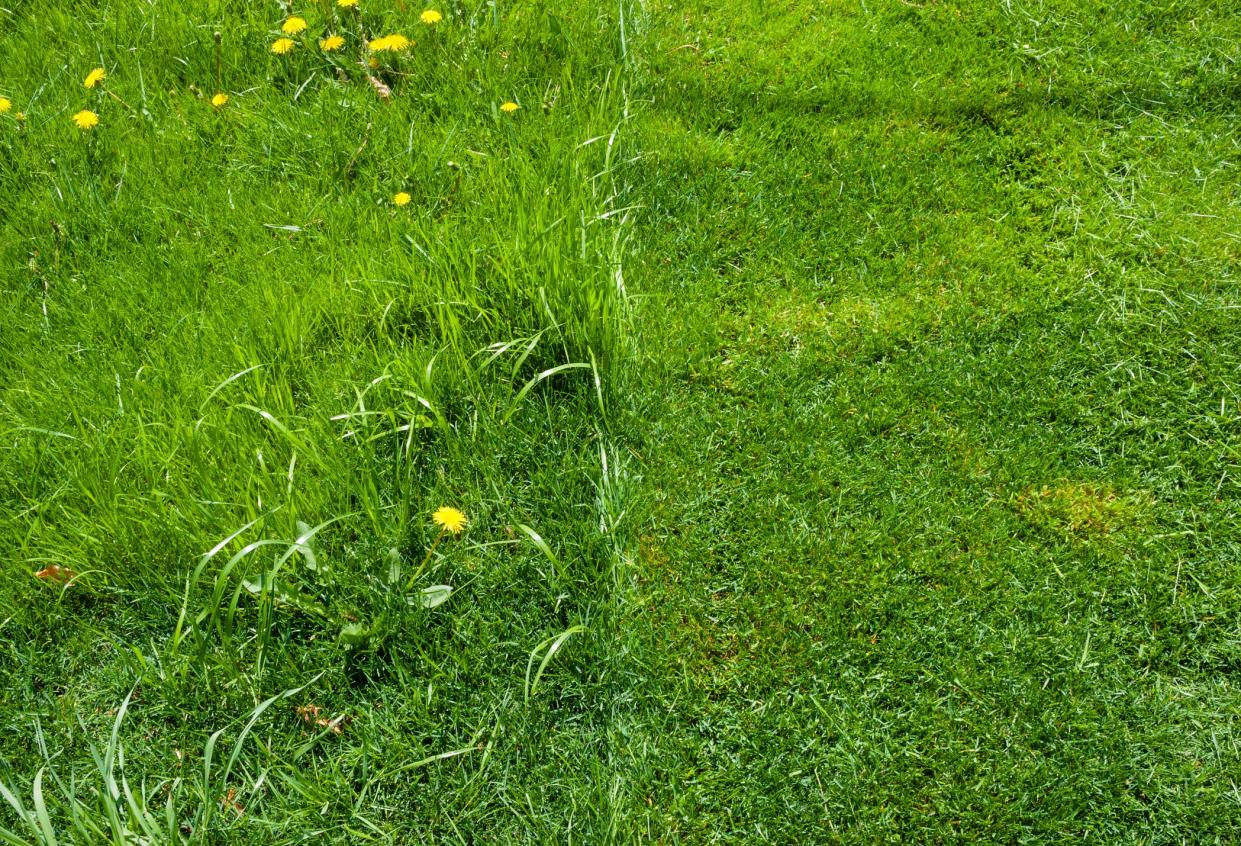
<point x="380" y="87"/>
<point x="310" y="713"/>
<point x="56" y="573"/>
<point x="230" y="800"/>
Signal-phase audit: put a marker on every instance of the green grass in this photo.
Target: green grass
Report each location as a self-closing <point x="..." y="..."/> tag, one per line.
<point x="939" y="307"/>
<point x="217" y="333"/>
<point x="843" y="398"/>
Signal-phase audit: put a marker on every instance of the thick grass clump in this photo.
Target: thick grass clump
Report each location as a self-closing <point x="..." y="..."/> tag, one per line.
<point x="250" y="343"/>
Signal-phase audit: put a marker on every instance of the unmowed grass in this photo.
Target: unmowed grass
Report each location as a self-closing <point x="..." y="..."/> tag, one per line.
<point x="238" y="380"/>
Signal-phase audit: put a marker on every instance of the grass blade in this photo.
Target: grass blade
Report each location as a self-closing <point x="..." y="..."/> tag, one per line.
<point x="548" y="648"/>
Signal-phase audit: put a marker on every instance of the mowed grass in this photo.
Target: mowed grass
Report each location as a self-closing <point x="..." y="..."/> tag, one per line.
<point x="238" y="378"/>
<point x="939" y="308"/>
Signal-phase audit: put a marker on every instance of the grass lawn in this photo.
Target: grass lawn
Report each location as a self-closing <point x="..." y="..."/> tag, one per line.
<point x="940" y="308"/>
<point x="843" y="400"/>
<point x="240" y="376"/>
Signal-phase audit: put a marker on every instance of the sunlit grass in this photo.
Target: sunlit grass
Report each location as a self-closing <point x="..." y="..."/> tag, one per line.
<point x="698" y="422"/>
<point x="265" y="312"/>
<point x="938" y="321"/>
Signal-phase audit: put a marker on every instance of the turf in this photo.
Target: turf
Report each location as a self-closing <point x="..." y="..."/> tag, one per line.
<point x="939" y="303"/>
<point x="843" y="399"/>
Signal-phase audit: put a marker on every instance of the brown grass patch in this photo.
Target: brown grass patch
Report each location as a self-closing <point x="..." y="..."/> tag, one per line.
<point x="1080" y="509"/>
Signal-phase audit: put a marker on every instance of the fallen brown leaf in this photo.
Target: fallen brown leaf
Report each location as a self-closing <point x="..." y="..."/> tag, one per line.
<point x="56" y="573"/>
<point x="310" y="713"/>
<point x="230" y="800"/>
<point x="380" y="87"/>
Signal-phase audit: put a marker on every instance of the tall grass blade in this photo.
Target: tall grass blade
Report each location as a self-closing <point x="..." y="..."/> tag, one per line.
<point x="529" y="386"/>
<point x="548" y="649"/>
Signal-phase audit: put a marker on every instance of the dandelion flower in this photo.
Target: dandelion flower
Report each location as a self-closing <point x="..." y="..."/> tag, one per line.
<point x="20" y="117"/>
<point x="86" y="119"/>
<point x="449" y="519"/>
<point x="389" y="43"/>
<point x="293" y="26"/>
<point x="402" y="198"/>
<point x="430" y="16"/>
<point x="346" y="4"/>
<point x="5" y="104"/>
<point x="331" y="43"/>
<point x="509" y="107"/>
<point x="94" y="78"/>
<point x="282" y="45"/>
<point x="219" y="100"/>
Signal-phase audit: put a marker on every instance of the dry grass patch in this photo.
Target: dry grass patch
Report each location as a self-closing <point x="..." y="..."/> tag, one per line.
<point x="1081" y="510"/>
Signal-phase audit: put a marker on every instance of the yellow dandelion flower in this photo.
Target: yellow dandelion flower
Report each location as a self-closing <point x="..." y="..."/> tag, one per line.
<point x="282" y="45"/>
<point x="94" y="78"/>
<point x="20" y="117"/>
<point x="346" y="4"/>
<point x="509" y="107"/>
<point x="219" y="100"/>
<point x="402" y="198"/>
<point x="293" y="26"/>
<point x="449" y="519"/>
<point x="5" y="104"/>
<point x="331" y="43"/>
<point x="389" y="43"/>
<point x="372" y="63"/>
<point x="430" y="16"/>
<point x="86" y="119"/>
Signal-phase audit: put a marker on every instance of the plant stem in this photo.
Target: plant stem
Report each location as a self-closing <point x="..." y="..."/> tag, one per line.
<point x="425" y="561"/>
<point x="218" y="75"/>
